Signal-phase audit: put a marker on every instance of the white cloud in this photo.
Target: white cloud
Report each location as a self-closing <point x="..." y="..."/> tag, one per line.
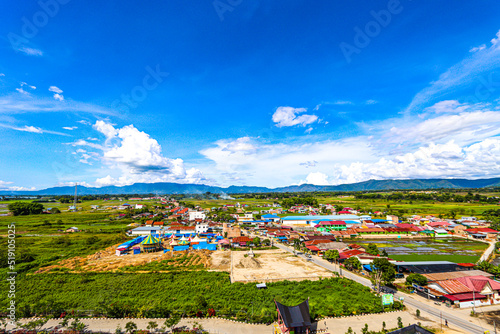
<point x="448" y="160"/>
<point x="4" y="186"/>
<point x="55" y="89"/>
<point x="32" y="129"/>
<point x="139" y="158"/>
<point x="496" y="39"/>
<point x="280" y="164"/>
<point x="30" y="51"/>
<point x="21" y="104"/>
<point x="2" y="74"/>
<point x="70" y="128"/>
<point x="342" y="102"/>
<point x="316" y="178"/>
<point x="478" y="48"/>
<point x="479" y="64"/>
<point x="288" y="116"/>
<point x="106" y="129"/>
<point x="57" y="93"/>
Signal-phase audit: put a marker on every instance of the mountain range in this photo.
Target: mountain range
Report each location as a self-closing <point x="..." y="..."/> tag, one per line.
<point x="178" y="188"/>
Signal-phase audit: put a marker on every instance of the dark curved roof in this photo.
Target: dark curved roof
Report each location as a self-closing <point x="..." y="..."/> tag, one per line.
<point x="295" y="316"/>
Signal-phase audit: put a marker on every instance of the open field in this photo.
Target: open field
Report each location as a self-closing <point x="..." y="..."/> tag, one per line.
<point x="107" y="261"/>
<point x="272" y="265"/>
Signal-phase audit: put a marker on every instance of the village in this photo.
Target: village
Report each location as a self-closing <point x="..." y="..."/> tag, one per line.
<point x="422" y="263"/>
<point x="338" y="236"/>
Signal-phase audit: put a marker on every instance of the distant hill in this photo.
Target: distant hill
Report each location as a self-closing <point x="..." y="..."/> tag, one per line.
<point x="177" y="188"/>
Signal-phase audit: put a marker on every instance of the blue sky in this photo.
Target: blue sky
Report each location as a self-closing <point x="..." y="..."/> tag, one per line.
<point x="241" y="92"/>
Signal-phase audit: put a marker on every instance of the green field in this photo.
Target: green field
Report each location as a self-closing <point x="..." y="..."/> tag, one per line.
<point x="187" y="293"/>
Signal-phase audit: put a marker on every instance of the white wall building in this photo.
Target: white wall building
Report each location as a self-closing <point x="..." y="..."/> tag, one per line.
<point x="201" y="228"/>
<point x="193" y="215"/>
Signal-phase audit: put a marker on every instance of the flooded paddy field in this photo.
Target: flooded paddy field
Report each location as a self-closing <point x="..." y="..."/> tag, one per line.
<point x="449" y="249"/>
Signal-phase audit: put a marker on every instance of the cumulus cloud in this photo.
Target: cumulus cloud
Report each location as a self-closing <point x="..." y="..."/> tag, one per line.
<point x="139" y="158"/>
<point x="288" y="116"/>
<point x="280" y="164"/>
<point x="316" y="178"/>
<point x="433" y="161"/>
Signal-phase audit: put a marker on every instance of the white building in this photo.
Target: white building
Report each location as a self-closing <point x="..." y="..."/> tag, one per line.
<point x="201" y="228"/>
<point x="193" y="215"/>
<point x="247" y="217"/>
<point x="139" y="206"/>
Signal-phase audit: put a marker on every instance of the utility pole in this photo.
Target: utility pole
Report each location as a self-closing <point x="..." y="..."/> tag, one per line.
<point x="473" y="301"/>
<point x="74" y="202"/>
<point x="441" y="317"/>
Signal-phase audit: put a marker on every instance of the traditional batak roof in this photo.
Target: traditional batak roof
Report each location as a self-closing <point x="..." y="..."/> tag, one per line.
<point x="295" y="316"/>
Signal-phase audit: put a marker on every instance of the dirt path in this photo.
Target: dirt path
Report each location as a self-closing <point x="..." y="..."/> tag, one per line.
<point x="220" y="326"/>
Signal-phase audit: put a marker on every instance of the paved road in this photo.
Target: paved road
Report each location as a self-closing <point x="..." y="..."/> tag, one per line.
<point x="434" y="310"/>
<point x="488" y="252"/>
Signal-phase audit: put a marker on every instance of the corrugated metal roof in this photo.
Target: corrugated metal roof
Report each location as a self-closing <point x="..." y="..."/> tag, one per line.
<point x="453" y="286"/>
<point x="455" y="275"/>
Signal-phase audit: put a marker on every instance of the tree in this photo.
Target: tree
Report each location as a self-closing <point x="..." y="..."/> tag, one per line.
<point x="331" y="255"/>
<point x="130" y="327"/>
<point x="24" y="209"/>
<point x="172" y="320"/>
<point x="55" y="210"/>
<point x="382" y="272"/>
<point x="384" y="253"/>
<point x="297" y="244"/>
<point x="256" y="241"/>
<point x="372" y="249"/>
<point x="266" y="242"/>
<point x="484" y="266"/>
<point x="417" y="279"/>
<point x="77" y="325"/>
<point x="152" y="325"/>
<point x="353" y="263"/>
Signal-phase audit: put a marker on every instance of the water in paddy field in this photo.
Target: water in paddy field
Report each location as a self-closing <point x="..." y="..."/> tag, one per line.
<point x="426" y="247"/>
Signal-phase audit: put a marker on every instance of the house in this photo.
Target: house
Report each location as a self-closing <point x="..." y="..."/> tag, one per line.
<point x="330" y="225"/>
<point x="193" y="215"/>
<point x="139" y="206"/>
<point x="245" y="218"/>
<point x="201" y="228"/>
<point x="72" y="229"/>
<point x="146" y="230"/>
<point x="240" y="241"/>
<point x="230" y="231"/>
<point x="469" y="291"/>
<point x="271" y="217"/>
<point x="483" y="232"/>
<point x="309" y="220"/>
<point x="393" y="219"/>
